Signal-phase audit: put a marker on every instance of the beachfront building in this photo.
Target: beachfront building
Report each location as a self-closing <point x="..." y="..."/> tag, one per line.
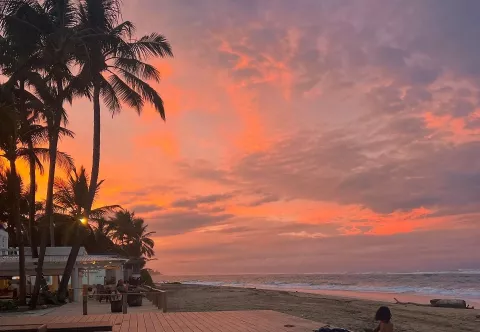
<point x="89" y="270"/>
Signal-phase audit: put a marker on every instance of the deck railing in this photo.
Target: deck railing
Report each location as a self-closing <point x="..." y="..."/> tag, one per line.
<point x="158" y="298"/>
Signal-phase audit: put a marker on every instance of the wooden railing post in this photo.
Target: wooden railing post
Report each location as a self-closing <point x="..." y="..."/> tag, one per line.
<point x="159" y="300"/>
<point x="155" y="299"/>
<point x="85" y="303"/>
<point x="124" y="303"/>
<point x="164" y="301"/>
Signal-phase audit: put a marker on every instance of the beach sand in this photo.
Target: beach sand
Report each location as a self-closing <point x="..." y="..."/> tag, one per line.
<point x="350" y="313"/>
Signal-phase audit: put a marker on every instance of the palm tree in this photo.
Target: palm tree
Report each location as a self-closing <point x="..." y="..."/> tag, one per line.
<point x="99" y="239"/>
<point x="115" y="64"/>
<point x="131" y="236"/>
<point x="6" y="204"/>
<point x="130" y="233"/>
<point x="71" y="201"/>
<point x="141" y="244"/>
<point x="8" y="146"/>
<point x="12" y="132"/>
<point x="107" y="48"/>
<point x="46" y="28"/>
<point x="34" y="134"/>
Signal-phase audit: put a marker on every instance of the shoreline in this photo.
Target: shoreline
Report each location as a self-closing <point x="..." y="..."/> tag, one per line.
<point x="387" y="297"/>
<point x="346" y="312"/>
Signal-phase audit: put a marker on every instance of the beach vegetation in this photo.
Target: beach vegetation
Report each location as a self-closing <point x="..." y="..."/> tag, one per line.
<point x="53" y="52"/>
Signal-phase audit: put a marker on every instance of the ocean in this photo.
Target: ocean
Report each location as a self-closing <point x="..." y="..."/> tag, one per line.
<point x="414" y="287"/>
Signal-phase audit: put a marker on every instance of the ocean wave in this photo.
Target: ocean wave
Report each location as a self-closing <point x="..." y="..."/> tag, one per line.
<point x="471" y="293"/>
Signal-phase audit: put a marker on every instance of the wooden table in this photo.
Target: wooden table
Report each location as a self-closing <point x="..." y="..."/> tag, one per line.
<point x="217" y="321"/>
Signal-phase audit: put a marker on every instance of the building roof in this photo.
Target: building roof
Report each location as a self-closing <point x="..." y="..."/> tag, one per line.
<point x="87" y="259"/>
<point x="53" y="258"/>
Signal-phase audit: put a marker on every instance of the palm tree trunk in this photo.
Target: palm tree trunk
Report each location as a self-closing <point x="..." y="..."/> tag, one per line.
<point x="19" y="233"/>
<point x="31" y="205"/>
<point x="96" y="147"/>
<point x="53" y="145"/>
<point x="72" y="258"/>
<point x="31" y="160"/>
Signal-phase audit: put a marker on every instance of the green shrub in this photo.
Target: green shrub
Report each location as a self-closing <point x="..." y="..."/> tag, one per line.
<point x="8" y="305"/>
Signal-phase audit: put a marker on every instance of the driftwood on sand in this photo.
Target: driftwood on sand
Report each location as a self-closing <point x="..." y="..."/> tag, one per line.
<point x="440" y="303"/>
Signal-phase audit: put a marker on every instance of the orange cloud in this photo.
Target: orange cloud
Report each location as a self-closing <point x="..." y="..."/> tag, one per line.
<point x="452" y="129"/>
<point x="165" y="141"/>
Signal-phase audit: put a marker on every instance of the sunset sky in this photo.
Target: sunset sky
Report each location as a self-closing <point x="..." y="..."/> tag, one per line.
<point x="302" y="136"/>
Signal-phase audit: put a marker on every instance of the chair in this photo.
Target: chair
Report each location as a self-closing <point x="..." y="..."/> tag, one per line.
<point x="102" y="293"/>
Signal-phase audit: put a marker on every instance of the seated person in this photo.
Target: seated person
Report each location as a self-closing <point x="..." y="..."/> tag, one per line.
<point x="121" y="287"/>
<point x="384" y="316"/>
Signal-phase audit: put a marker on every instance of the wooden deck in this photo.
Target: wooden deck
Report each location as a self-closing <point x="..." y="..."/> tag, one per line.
<point x="218" y="321"/>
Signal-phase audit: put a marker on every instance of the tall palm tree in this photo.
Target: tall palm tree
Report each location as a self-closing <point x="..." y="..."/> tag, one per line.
<point x="12" y="134"/>
<point x="32" y="133"/>
<point x="113" y="63"/>
<point x="71" y="199"/>
<point x="9" y="151"/>
<point x="47" y="29"/>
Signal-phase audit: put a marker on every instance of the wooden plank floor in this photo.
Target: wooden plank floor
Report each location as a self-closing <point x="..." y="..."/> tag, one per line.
<point x="216" y="321"/>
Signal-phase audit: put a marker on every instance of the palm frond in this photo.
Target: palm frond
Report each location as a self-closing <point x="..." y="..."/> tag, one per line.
<point x="64" y="160"/>
<point x="147" y="92"/>
<point x="126" y="93"/>
<point x="109" y="96"/>
<point x="64" y="132"/>
<point x="99" y="15"/>
<point x="153" y="45"/>
<point x="101" y="212"/>
<point x="139" y="68"/>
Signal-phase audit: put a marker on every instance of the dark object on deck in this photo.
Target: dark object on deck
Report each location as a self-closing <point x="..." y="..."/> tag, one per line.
<point x="134" y="300"/>
<point x="60" y="327"/>
<point x="331" y="329"/>
<point x="85" y="305"/>
<point x="103" y="293"/>
<point x="116" y="305"/>
<point x="24" y="328"/>
<point x="80" y="327"/>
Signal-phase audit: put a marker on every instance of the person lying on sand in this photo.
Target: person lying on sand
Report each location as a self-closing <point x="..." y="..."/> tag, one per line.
<point x="384" y="316"/>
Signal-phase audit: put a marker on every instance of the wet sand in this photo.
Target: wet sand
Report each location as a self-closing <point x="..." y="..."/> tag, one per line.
<point x="350" y="313"/>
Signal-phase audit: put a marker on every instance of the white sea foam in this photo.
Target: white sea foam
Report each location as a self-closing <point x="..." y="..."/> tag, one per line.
<point x="461" y="283"/>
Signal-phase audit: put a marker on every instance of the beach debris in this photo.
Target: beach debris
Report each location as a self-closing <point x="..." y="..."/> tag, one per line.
<point x="440" y="303"/>
<point x="448" y="303"/>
